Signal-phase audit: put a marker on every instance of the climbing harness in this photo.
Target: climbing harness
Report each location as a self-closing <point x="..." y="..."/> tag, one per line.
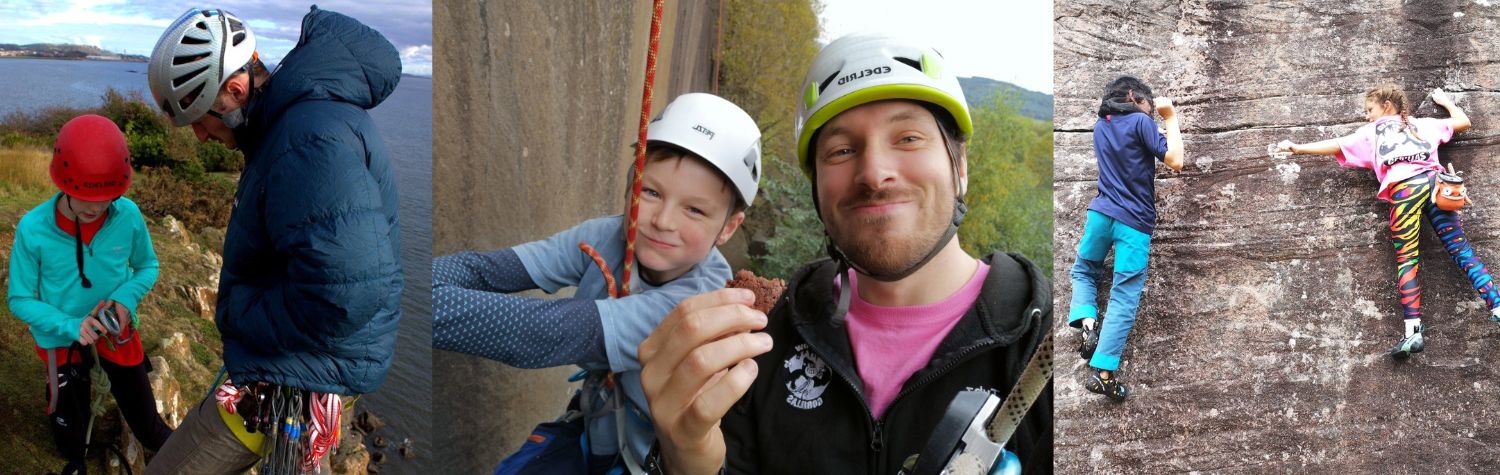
<point x="292" y="429"/>
<point x="100" y="386"/>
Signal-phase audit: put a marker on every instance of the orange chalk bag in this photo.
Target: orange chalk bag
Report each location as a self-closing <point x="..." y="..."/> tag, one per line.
<point x="1450" y="193"/>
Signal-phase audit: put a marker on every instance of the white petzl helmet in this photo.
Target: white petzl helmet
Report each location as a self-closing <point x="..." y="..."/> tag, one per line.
<point x="861" y="68"/>
<point x="718" y="131"/>
<point x="194" y="58"/>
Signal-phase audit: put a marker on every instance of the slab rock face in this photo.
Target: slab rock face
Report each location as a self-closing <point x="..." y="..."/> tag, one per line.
<point x="1271" y="297"/>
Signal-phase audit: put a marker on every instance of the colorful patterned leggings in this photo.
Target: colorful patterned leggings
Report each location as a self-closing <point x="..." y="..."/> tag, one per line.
<point x="1410" y="199"/>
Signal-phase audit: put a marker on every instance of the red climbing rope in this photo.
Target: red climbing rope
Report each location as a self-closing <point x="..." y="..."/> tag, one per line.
<point x="640" y="148"/>
<point x="640" y="167"/>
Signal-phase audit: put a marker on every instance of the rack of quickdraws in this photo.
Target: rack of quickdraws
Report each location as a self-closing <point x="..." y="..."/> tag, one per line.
<point x="299" y="427"/>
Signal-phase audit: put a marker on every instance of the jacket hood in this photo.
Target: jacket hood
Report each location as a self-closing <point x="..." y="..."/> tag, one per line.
<point x="337" y="58"/>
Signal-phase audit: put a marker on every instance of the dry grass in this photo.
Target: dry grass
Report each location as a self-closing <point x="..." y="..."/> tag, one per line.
<point x="25" y="167"/>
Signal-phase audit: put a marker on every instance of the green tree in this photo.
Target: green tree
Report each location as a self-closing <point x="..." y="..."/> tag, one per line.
<point x="1010" y="184"/>
<point x="767" y="45"/>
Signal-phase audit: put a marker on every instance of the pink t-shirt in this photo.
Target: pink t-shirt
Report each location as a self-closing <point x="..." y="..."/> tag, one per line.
<point x="1395" y="155"/>
<point x="891" y="343"/>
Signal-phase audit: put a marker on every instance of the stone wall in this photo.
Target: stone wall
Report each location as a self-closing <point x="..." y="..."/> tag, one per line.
<point x="535" y="112"/>
<point x="1271" y="295"/>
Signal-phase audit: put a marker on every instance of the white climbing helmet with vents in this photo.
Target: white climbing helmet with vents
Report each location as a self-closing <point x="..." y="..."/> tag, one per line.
<point x="193" y="59"/>
<point x="717" y="130"/>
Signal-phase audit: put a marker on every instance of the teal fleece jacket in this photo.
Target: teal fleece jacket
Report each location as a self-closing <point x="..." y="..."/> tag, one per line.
<point x="45" y="290"/>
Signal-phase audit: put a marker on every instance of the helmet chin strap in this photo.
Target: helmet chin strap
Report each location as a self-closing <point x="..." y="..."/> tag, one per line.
<point x="845" y="294"/>
<point x="78" y="242"/>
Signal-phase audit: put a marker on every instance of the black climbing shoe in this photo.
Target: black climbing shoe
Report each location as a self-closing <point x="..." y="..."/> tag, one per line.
<point x="1090" y="342"/>
<point x="1407" y="346"/>
<point x="1110" y="387"/>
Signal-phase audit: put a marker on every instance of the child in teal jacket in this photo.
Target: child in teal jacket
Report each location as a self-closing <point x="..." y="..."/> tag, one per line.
<point x="81" y="263"/>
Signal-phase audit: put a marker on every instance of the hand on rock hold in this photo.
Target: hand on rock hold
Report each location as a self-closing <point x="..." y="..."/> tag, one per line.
<point x="1441" y="98"/>
<point x="1284" y="146"/>
<point x="1165" y="108"/>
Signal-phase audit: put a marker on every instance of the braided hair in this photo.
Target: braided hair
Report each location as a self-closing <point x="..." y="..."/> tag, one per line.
<point x="1393" y="93"/>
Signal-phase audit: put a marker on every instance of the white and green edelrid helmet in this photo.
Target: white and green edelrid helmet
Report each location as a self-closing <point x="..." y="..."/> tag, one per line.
<point x="717" y="130"/>
<point x="194" y="58"/>
<point x="861" y="68"/>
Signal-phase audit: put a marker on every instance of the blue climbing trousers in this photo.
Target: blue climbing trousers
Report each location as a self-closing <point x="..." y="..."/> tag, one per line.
<point x="1100" y="233"/>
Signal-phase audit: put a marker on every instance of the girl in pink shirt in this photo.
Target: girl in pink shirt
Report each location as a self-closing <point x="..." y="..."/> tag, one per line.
<point x="1403" y="152"/>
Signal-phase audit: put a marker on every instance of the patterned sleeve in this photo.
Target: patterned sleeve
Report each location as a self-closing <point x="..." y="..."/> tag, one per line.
<point x="524" y="332"/>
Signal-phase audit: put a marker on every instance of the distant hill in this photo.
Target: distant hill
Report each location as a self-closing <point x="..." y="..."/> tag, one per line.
<point x="980" y="91"/>
<point x="64" y="51"/>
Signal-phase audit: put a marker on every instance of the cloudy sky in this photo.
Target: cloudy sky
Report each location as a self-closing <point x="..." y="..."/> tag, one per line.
<point x="133" y="26"/>
<point x="1008" y="41"/>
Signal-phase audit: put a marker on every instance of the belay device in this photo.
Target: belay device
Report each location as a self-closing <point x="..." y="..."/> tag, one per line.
<point x="960" y="445"/>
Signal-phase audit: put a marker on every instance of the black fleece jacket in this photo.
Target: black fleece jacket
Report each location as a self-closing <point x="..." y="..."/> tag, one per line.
<point x="807" y="413"/>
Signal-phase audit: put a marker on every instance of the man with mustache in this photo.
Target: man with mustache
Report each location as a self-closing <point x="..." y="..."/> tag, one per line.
<point x="851" y="370"/>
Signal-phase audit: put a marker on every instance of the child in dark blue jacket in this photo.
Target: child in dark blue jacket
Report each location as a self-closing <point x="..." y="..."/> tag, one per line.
<point x="1127" y="144"/>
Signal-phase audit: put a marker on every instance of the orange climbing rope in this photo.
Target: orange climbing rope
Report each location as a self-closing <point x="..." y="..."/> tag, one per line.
<point x="609" y="278"/>
<point x="640" y="168"/>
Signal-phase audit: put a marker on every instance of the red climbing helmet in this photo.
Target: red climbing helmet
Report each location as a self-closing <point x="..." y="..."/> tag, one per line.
<point x="90" y="160"/>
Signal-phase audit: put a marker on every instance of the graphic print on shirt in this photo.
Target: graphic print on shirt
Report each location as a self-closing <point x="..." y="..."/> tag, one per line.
<point x="808" y="376"/>
<point x="1397" y="145"/>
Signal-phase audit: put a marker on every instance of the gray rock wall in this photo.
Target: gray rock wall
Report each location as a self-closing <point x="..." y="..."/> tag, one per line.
<point x="1271" y="295"/>
<point x="535" y="111"/>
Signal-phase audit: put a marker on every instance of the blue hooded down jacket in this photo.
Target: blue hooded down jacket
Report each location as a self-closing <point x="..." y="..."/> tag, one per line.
<point x="310" y="291"/>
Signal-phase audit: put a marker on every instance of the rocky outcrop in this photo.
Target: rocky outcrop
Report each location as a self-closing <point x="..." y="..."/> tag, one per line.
<point x="351" y="456"/>
<point x="201" y="295"/>
<point x="1271" y="294"/>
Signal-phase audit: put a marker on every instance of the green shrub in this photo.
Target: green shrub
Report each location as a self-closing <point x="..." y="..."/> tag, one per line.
<point x="1010" y="184"/>
<point x="152" y="139"/>
<point x="218" y="158"/>
<point x="204" y="201"/>
<point x="785" y="205"/>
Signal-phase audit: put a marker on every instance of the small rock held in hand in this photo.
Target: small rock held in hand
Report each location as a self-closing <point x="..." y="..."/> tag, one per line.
<point x="767" y="291"/>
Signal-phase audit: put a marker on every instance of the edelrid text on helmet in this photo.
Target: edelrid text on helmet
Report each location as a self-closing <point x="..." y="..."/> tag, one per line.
<point x="193" y="59"/>
<point x="717" y="130"/>
<point x="90" y="160"/>
<point x="862" y="68"/>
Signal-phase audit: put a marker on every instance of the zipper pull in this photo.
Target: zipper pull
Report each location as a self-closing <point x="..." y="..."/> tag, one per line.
<point x="879" y="441"/>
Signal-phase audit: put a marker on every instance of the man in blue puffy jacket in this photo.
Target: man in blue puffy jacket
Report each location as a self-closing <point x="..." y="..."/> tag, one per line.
<point x="310" y="289"/>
